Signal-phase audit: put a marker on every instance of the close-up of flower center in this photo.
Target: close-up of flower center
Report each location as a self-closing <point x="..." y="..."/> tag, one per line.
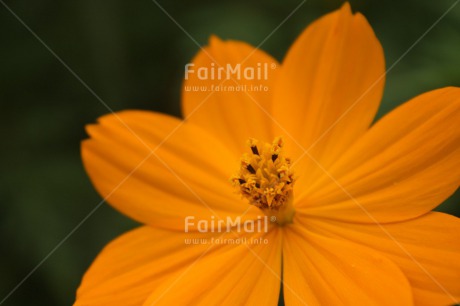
<point x="265" y="179"/>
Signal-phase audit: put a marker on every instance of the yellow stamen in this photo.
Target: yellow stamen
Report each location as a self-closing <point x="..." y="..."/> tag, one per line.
<point x="265" y="179"/>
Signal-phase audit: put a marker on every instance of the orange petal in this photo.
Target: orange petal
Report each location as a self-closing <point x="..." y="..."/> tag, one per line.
<point x="160" y="265"/>
<point x="407" y="164"/>
<point x="233" y="115"/>
<point x="131" y="266"/>
<point x="426" y="249"/>
<point x="244" y="274"/>
<point x="325" y="271"/>
<point x="158" y="170"/>
<point x="329" y="88"/>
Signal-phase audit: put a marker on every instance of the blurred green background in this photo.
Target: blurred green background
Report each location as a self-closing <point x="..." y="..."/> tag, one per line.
<point x="132" y="55"/>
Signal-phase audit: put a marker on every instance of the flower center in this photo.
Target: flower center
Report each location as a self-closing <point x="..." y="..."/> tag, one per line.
<point x="266" y="181"/>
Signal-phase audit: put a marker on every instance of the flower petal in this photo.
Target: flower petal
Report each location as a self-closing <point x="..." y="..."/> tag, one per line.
<point x="231" y="115"/>
<point x="158" y="170"/>
<point x="148" y="260"/>
<point x="131" y="266"/>
<point x="426" y="249"/>
<point x="324" y="271"/>
<point x="244" y="274"/>
<point x="407" y="164"/>
<point x="329" y="87"/>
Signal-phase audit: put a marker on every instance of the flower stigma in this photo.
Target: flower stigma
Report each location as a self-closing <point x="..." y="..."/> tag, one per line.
<point x="266" y="180"/>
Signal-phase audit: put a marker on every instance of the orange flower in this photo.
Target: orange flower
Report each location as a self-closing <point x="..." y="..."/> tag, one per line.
<point x="352" y="201"/>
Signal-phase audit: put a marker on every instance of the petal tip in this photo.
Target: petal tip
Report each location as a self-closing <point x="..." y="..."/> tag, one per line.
<point x="345" y="9"/>
<point x="214" y="39"/>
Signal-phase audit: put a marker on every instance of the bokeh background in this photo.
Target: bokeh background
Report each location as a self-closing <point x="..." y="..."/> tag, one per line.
<point x="132" y="56"/>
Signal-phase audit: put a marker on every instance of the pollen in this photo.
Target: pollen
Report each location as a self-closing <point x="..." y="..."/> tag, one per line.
<point x="265" y="178"/>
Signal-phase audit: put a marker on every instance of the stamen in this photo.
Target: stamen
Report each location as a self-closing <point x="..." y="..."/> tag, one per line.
<point x="251" y="169"/>
<point x="252" y="143"/>
<point x="265" y="179"/>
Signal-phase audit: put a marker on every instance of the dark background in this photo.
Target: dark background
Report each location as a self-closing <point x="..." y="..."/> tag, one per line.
<point x="132" y="56"/>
